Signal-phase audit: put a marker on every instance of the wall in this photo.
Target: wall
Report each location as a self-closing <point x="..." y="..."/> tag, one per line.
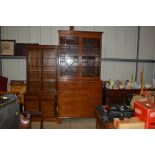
<point x="118" y="42"/>
<point x="15" y="69"/>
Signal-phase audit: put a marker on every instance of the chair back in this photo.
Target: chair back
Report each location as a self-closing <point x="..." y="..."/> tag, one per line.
<point x="3" y="83"/>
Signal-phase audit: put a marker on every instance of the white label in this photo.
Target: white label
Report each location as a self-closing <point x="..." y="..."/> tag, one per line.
<point x="152" y="114"/>
<point x="138" y="111"/>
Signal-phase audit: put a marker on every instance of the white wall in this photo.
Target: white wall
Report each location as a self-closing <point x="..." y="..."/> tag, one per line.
<point x="118" y="42"/>
<point x="32" y="34"/>
<point x="15" y="69"/>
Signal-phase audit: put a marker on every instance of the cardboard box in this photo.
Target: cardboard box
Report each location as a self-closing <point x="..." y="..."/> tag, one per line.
<point x="129" y="123"/>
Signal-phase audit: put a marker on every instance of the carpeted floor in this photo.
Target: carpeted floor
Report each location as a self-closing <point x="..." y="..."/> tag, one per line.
<point x="89" y="123"/>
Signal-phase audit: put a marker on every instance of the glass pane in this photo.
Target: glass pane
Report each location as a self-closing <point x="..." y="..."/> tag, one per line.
<point x="69" y="41"/>
<point x="34" y="85"/>
<point x="49" y="85"/>
<point x="91" y="57"/>
<point x="69" y="56"/>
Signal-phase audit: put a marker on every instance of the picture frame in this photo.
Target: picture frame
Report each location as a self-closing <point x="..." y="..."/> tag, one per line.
<point x="7" y="47"/>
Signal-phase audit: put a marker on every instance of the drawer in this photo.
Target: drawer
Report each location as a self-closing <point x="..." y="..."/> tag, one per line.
<point x="31" y="105"/>
<point x="47" y="97"/>
<point x="31" y="97"/>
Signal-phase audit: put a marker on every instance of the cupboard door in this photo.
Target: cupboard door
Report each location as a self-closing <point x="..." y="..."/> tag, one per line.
<point x="31" y="102"/>
<point x="34" y="70"/>
<point x="47" y="104"/>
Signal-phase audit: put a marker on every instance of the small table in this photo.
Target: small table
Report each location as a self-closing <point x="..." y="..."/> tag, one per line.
<point x="100" y="124"/>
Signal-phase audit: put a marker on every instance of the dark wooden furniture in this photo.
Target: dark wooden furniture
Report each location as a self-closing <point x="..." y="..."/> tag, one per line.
<point x="79" y="84"/>
<point x="118" y="96"/>
<point x="20" y="48"/>
<point x="41" y="80"/>
<point x="41" y="68"/>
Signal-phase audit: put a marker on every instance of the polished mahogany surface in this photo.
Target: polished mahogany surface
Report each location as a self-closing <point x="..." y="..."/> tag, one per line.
<point x="41" y="80"/>
<point x="79" y="84"/>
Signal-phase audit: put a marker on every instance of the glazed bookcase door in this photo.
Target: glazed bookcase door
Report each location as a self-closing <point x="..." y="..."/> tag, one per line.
<point x="69" y="56"/>
<point x="90" y="57"/>
<point x="34" y="70"/>
<point x="42" y="68"/>
<point x="49" y="69"/>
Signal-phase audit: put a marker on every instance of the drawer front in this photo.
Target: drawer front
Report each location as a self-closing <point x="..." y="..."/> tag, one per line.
<point x="31" y="96"/>
<point x="79" y="99"/>
<point x="32" y="105"/>
<point x="47" y="97"/>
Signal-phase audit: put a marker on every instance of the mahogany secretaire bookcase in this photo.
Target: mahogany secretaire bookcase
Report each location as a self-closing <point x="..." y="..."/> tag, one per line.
<point x="79" y="65"/>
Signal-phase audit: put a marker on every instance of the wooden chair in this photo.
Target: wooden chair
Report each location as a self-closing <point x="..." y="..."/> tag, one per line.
<point x="3" y="84"/>
<point x="30" y="114"/>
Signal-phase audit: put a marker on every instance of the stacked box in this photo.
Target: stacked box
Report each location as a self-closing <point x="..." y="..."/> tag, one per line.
<point x="129" y="123"/>
<point x="146" y="112"/>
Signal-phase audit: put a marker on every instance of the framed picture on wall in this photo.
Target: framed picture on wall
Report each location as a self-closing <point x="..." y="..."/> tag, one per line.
<point x="7" y="47"/>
